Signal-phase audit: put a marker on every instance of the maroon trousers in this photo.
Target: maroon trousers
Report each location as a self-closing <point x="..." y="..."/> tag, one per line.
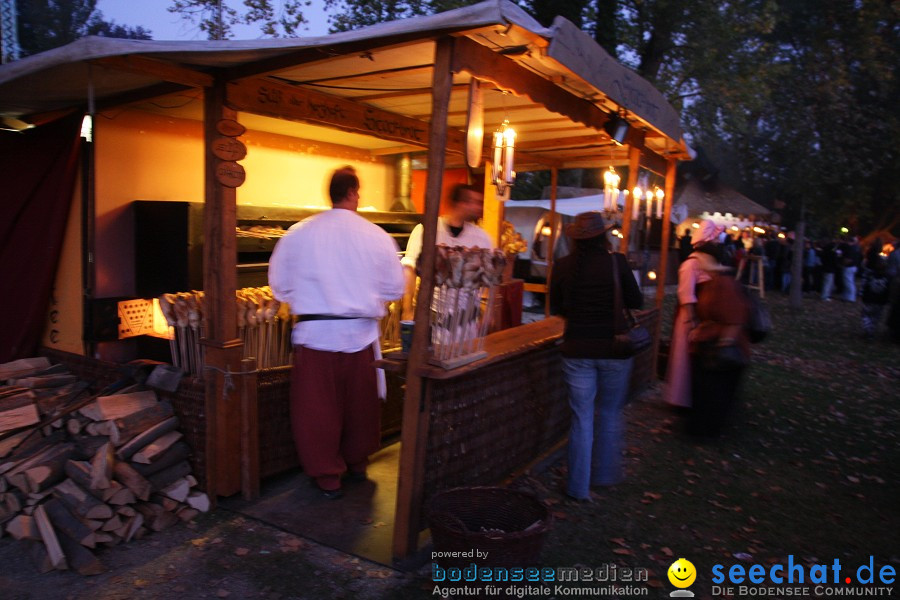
<point x="335" y="412"/>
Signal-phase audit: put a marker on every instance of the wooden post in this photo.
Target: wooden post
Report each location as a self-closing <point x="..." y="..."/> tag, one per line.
<point x="249" y="431"/>
<point x="492" y="218"/>
<point x="554" y="181"/>
<point x="634" y="163"/>
<point x="662" y="269"/>
<point x="222" y="345"/>
<point x="416" y="407"/>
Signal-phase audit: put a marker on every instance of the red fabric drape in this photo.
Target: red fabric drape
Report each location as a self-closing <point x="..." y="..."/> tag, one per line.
<point x="39" y="168"/>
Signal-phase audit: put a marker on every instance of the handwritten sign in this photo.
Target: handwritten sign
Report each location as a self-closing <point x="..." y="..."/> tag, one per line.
<point x="230" y="128"/>
<point x="227" y="148"/>
<point x="264" y="97"/>
<point x="230" y="174"/>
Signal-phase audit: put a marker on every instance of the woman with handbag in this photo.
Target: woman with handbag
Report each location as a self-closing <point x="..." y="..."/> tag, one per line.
<point x="719" y="346"/>
<point x="677" y="389"/>
<point x="589" y="288"/>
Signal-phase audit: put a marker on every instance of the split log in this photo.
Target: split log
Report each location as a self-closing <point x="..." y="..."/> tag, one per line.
<point x="54" y="457"/>
<point x="112" y="524"/>
<point x="155" y="516"/>
<point x="133" y="480"/>
<point x="175" y="454"/>
<point x="80" y="472"/>
<point x="108" y="408"/>
<point x="153" y="451"/>
<point x="88" y="445"/>
<point x="23" y="527"/>
<point x="169" y="475"/>
<point x="37" y="497"/>
<point x="50" y="470"/>
<point x="178" y="490"/>
<point x="10" y="443"/>
<point x="48" y="535"/>
<point x="74" y="425"/>
<point x="66" y="522"/>
<point x="142" y="439"/>
<point x="102" y="467"/>
<point x="136" y="423"/>
<point x="198" y="500"/>
<point x="45" y="381"/>
<point x="111" y="539"/>
<point x="140" y="533"/>
<point x="32" y="445"/>
<point x="80" y="558"/>
<point x="186" y="513"/>
<point x="18" y="412"/>
<point x="164" y="501"/>
<point x="80" y="502"/>
<point x="107" y="539"/>
<point x="134" y="527"/>
<point x="126" y="511"/>
<point x="122" y="531"/>
<point x="23" y="367"/>
<point x="122" y="497"/>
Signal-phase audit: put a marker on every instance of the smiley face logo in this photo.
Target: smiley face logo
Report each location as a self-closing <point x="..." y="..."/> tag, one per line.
<point x="682" y="573"/>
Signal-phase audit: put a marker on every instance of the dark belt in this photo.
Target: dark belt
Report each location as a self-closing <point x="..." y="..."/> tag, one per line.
<point x="325" y="318"/>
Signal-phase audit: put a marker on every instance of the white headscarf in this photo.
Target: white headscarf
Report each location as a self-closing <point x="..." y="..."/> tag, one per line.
<point x="707" y="232"/>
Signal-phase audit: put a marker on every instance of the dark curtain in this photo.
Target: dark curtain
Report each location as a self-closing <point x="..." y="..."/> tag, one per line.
<point x="38" y="168"/>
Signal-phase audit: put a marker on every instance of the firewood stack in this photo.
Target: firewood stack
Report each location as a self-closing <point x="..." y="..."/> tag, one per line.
<point x="79" y="472"/>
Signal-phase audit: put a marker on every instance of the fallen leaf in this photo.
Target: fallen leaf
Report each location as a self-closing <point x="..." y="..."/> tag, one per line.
<point x="667" y="551"/>
<point x="618" y="541"/>
<point x="623" y="551"/>
<point x="223" y="593"/>
<point x="242" y="551"/>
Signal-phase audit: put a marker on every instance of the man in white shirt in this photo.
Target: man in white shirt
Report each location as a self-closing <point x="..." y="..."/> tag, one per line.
<point x="456" y="228"/>
<point x="336" y="270"/>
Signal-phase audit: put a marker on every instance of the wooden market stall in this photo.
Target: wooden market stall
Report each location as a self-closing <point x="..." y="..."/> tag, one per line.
<point x="395" y="90"/>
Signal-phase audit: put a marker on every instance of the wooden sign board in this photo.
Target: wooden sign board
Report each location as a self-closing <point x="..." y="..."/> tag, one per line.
<point x="230" y="128"/>
<point x="230" y="174"/>
<point x="577" y="51"/>
<point x="264" y="97"/>
<point x="228" y="148"/>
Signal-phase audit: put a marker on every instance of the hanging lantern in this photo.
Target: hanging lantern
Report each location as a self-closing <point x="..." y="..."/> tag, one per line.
<point x="660" y="195"/>
<point x="503" y="175"/>
<point x="611" y="181"/>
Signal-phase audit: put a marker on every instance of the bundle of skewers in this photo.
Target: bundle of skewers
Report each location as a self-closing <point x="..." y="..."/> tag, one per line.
<point x="462" y="278"/>
<point x="264" y="327"/>
<point x="263" y="232"/>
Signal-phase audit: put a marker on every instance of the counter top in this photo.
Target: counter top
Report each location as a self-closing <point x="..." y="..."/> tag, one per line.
<point x="499" y="346"/>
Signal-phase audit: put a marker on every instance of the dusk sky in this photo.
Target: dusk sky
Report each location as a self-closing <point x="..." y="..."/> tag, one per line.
<point x="152" y="15"/>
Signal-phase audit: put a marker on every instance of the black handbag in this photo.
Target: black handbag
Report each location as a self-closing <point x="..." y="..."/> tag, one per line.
<point x="760" y="322"/>
<point x="633" y="338"/>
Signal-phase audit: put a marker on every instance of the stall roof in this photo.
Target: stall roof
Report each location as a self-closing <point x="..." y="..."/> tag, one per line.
<point x="699" y="198"/>
<point x="387" y="66"/>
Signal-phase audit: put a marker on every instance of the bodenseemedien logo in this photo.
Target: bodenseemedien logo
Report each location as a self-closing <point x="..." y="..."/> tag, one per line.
<point x="682" y="574"/>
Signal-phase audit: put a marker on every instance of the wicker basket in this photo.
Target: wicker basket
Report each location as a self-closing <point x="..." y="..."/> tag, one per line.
<point x="509" y="525"/>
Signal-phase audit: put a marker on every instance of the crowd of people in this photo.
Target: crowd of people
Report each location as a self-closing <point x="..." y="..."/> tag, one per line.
<point x="842" y="268"/>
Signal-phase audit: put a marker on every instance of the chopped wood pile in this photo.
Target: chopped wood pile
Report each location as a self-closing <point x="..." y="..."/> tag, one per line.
<point x="82" y="471"/>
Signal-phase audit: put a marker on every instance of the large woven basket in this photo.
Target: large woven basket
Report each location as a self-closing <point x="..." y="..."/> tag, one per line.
<point x="509" y="525"/>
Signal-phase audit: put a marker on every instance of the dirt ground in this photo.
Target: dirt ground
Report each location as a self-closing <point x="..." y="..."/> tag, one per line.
<point x="219" y="555"/>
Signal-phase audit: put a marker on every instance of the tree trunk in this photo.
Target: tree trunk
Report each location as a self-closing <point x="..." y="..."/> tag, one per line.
<point x="797" y="264"/>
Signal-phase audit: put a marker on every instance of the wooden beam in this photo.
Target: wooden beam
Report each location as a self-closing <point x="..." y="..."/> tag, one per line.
<point x="250" y="476"/>
<point x="153" y="67"/>
<point x="662" y="269"/>
<point x="554" y="182"/>
<point x="652" y="161"/>
<point x="222" y="345"/>
<point x="416" y="405"/>
<point x="486" y="64"/>
<point x="634" y="157"/>
<point x="279" y="100"/>
<point x="396" y="150"/>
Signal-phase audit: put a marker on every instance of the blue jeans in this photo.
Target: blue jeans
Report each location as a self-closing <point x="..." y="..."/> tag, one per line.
<point x="598" y="388"/>
<point x="827" y="285"/>
<point x="850" y="284"/>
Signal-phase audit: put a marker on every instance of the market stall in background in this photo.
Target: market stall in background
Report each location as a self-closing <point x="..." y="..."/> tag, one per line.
<point x="202" y="153"/>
